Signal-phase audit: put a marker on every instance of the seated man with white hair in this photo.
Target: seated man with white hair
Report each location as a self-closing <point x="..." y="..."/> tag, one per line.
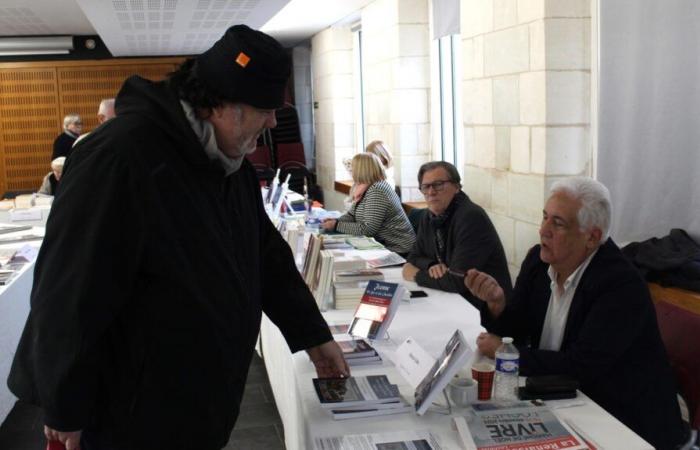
<point x="580" y="308"/>
<point x="50" y="182"/>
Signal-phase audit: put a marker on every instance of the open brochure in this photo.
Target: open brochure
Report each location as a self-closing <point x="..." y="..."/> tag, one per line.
<point x="395" y="440"/>
<point x="519" y="426"/>
<point x="376" y="309"/>
<point x="453" y="357"/>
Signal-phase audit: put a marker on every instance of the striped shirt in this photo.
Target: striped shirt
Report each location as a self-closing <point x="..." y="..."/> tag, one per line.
<point x="379" y="214"/>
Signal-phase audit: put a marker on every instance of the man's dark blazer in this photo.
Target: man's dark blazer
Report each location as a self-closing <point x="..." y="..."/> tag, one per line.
<point x="611" y="343"/>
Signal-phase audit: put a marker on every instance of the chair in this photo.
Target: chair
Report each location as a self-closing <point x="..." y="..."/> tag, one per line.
<point x="415" y="216"/>
<point x="290" y="154"/>
<point x="680" y="332"/>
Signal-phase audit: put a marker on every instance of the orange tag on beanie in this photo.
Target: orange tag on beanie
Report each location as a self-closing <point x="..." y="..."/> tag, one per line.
<point x="242" y="59"/>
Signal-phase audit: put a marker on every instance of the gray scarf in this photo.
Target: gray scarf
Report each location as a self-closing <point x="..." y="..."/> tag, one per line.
<point x="205" y="133"/>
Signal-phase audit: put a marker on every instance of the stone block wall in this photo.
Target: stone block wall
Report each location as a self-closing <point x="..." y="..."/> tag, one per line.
<point x="526" y="105"/>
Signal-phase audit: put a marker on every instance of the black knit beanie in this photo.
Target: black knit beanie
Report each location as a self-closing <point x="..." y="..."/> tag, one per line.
<point x="246" y="66"/>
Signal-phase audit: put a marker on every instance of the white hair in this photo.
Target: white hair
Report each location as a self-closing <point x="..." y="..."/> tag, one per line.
<point x="58" y="162"/>
<point x="69" y="119"/>
<point x="596" y="207"/>
<point x="106" y="108"/>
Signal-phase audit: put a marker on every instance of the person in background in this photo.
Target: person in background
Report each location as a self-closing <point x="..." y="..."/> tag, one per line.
<point x="144" y="318"/>
<point x="380" y="149"/>
<point x="581" y="309"/>
<point x="62" y="145"/>
<point x="50" y="182"/>
<point x="376" y="210"/>
<point x="105" y="112"/>
<point x="454" y="235"/>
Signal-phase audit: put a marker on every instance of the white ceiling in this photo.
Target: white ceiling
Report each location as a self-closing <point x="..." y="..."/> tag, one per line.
<point x="171" y="27"/>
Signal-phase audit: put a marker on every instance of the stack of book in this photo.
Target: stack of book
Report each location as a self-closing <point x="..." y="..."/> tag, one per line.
<point x="349" y="286"/>
<point x="336" y="242"/>
<point x="388" y="260"/>
<point x="358" y="352"/>
<point x="347" y="295"/>
<point x="322" y="281"/>
<point x="365" y="396"/>
<point x="311" y="259"/>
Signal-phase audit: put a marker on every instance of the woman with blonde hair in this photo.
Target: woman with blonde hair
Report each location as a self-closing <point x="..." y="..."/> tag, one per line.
<point x="376" y="209"/>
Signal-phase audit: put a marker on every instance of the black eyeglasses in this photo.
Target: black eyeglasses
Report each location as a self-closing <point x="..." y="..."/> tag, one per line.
<point x="436" y="185"/>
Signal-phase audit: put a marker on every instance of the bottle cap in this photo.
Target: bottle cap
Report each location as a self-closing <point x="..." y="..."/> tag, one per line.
<point x="507" y="340"/>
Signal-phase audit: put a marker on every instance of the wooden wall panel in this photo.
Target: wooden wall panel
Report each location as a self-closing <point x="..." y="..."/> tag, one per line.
<point x="34" y="98"/>
<point x="29" y="114"/>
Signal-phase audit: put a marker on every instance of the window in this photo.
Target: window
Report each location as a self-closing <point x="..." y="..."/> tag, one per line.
<point x="447" y="117"/>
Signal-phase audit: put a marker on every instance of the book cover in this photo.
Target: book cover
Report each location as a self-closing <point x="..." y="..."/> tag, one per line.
<point x="453" y="357"/>
<point x="377" y="308"/>
<point x="519" y="426"/>
<point x="355" y="391"/>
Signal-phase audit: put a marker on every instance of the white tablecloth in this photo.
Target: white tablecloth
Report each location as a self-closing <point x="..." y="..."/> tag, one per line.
<point x="430" y="321"/>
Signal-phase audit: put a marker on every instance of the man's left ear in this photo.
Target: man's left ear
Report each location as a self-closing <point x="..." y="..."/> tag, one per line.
<point x="594" y="238"/>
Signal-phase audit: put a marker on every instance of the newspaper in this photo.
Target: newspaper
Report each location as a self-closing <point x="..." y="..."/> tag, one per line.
<point x="519" y="426"/>
<point x="398" y="440"/>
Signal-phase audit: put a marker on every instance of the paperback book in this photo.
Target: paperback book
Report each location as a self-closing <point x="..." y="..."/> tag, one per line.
<point x="453" y="357"/>
<point x="519" y="426"/>
<point x="390" y="440"/>
<point x="334" y="393"/>
<point x="376" y="310"/>
<point x="364" y="243"/>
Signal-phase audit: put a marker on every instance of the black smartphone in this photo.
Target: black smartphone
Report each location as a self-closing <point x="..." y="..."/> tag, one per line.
<point x="415" y="294"/>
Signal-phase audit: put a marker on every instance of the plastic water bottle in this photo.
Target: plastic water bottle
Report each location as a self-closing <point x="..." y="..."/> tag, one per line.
<point x="507" y="365"/>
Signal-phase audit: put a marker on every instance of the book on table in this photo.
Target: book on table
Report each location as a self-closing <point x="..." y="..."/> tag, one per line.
<point x="311" y="260"/>
<point x="358" y="352"/>
<point x="376" y="310"/>
<point x="388" y="260"/>
<point x="388" y="440"/>
<point x="347" y="295"/>
<point x="354" y="392"/>
<point x="364" y="243"/>
<point x="379" y="409"/>
<point x="519" y="426"/>
<point x="346" y="276"/>
<point x="455" y="354"/>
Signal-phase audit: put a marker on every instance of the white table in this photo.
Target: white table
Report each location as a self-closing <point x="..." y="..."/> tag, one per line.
<point x="430" y="321"/>
<point x="14" y="308"/>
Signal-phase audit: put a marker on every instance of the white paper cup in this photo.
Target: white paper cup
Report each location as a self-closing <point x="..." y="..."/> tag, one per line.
<point x="463" y="391"/>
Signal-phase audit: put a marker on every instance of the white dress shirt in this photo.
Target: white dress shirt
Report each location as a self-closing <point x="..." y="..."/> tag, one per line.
<point x="559" y="304"/>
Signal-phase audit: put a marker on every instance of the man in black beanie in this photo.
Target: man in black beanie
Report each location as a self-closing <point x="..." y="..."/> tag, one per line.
<point x="144" y="317"/>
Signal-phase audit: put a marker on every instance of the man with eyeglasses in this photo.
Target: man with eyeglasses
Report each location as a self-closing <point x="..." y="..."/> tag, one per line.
<point x="454" y="236"/>
<point x="62" y="145"/>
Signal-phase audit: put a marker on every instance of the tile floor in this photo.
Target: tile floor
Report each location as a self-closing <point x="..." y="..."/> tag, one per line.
<point x="259" y="426"/>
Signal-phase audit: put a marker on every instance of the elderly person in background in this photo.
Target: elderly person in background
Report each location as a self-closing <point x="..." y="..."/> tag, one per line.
<point x="50" y="183"/>
<point x="376" y="209"/>
<point x="105" y="110"/>
<point x="62" y="145"/>
<point x="454" y="235"/>
<point x="580" y="308"/>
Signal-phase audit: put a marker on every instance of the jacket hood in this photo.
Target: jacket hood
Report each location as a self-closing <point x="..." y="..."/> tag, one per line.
<point x="156" y="103"/>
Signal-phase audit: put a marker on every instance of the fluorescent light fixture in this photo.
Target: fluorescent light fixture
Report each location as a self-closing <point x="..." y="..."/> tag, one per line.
<point x="35" y="45"/>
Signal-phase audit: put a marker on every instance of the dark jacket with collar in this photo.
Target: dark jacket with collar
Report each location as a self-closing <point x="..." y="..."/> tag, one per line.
<point x="611" y="343"/>
<point x="471" y="242"/>
<point x="150" y="284"/>
<point x="63" y="145"/>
